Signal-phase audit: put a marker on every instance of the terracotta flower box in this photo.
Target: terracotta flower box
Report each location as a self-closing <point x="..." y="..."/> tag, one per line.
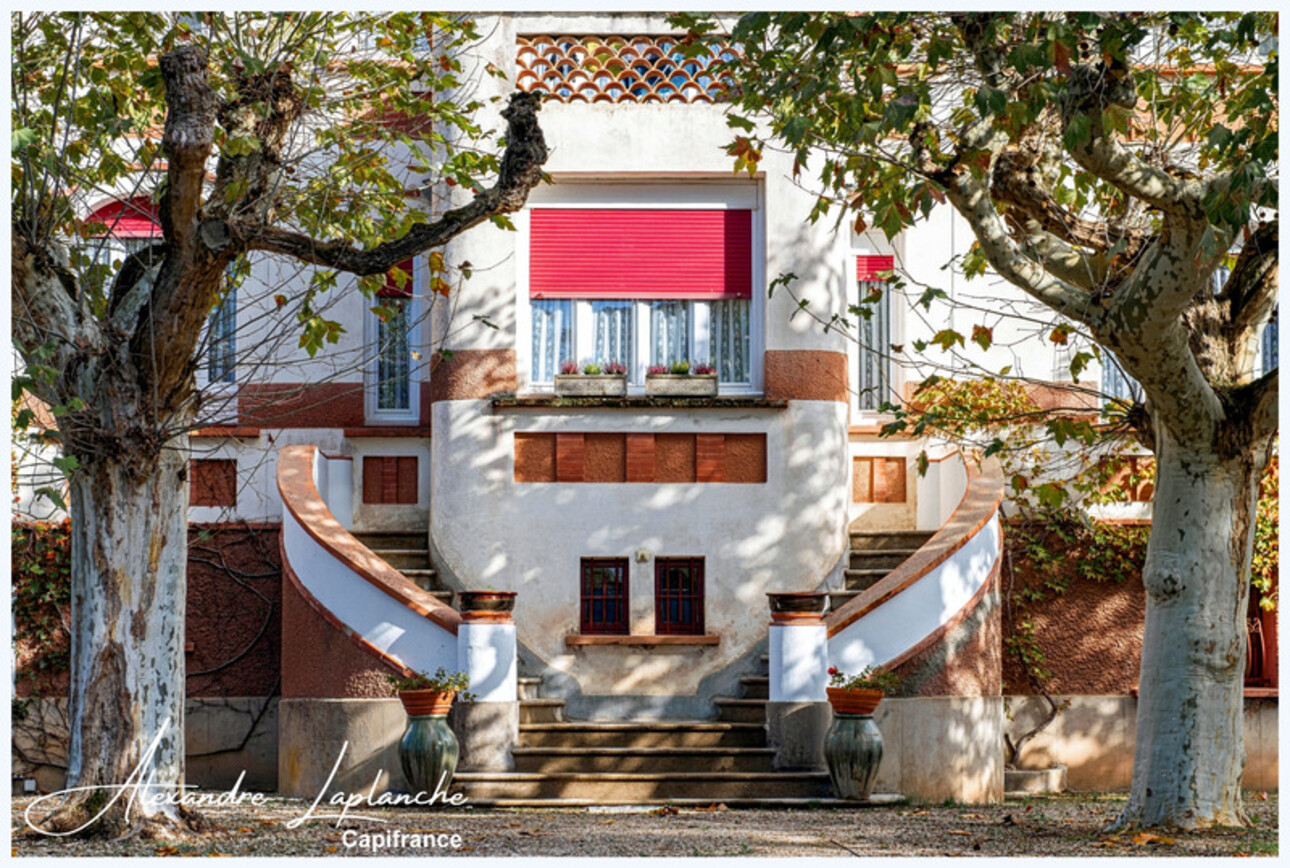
<point x="681" y="385"/>
<point x="422" y="702"/>
<point x="854" y="701"/>
<point x="591" y="385"/>
<point x="486" y="605"/>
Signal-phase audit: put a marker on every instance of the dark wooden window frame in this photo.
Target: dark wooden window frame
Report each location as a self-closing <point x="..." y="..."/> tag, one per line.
<point x="619" y="598"/>
<point x="668" y="596"/>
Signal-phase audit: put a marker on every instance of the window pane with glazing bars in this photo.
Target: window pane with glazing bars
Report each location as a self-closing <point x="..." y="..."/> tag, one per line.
<point x="604" y="596"/>
<point x="394" y="359"/>
<point x="678" y="596"/>
<point x="875" y="339"/>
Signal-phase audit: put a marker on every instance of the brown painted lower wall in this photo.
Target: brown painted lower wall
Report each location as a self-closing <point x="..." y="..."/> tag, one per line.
<point x="966" y="661"/>
<point x="234" y="621"/>
<point x="322" y="661"/>
<point x="1090" y="635"/>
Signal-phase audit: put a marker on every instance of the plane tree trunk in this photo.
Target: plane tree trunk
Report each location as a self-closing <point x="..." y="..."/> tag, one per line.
<point x="129" y="556"/>
<point x="1189" y="755"/>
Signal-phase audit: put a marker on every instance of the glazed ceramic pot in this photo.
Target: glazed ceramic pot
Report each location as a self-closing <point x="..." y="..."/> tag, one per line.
<point x="853" y="752"/>
<point x="429" y="750"/>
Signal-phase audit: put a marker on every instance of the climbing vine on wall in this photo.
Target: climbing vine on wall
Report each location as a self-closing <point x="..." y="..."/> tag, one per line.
<point x="42" y="571"/>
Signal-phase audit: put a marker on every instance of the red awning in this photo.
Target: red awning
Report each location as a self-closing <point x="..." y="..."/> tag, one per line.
<point x="134" y="218"/>
<point x="869" y="267"/>
<point x="641" y="253"/>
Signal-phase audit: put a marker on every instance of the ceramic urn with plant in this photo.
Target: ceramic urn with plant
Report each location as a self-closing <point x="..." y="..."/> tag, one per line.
<point x="429" y="750"/>
<point x="853" y="744"/>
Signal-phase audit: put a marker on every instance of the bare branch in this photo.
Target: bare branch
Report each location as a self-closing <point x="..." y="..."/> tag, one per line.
<point x="521" y="170"/>
<point x="1252" y="286"/>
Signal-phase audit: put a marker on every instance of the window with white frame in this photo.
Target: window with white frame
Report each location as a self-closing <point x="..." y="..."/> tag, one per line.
<point x="392" y="388"/>
<point x="642" y="287"/>
<point x="221" y="352"/>
<point x="874" y="383"/>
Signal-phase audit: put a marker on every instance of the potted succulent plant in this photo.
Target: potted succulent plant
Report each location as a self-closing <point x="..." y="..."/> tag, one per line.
<point x="853" y="744"/>
<point x="681" y="380"/>
<point x="608" y="380"/>
<point x="428" y="751"/>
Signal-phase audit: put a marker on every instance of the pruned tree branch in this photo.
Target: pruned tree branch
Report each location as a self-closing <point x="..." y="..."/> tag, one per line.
<point x="1095" y="88"/>
<point x="521" y="171"/>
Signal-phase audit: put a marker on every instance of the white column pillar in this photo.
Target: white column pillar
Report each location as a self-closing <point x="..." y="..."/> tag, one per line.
<point x="799" y="661"/>
<point x="486" y="653"/>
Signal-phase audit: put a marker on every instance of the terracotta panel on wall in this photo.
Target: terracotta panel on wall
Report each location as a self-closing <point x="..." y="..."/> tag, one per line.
<point x="674" y="457"/>
<point x="472" y="374"/>
<point x="862" y="480"/>
<point x="709" y="457"/>
<point x="640" y="458"/>
<point x="570" y="452"/>
<point x="390" y="479"/>
<point x="212" y="482"/>
<point x="605" y="458"/>
<point x="534" y="457"/>
<point x="806" y="375"/>
<point x="746" y="458"/>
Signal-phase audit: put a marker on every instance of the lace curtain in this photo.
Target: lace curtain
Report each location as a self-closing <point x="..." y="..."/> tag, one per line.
<point x="394" y="358"/>
<point x="552" y="338"/>
<point x="669" y="328"/>
<point x="730" y="340"/>
<point x="613" y="331"/>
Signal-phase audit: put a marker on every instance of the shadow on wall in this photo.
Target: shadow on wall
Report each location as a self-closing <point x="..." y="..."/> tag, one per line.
<point x="942" y="747"/>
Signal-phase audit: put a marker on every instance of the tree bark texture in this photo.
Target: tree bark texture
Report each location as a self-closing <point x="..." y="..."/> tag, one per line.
<point x="1189" y="754"/>
<point x="130" y="548"/>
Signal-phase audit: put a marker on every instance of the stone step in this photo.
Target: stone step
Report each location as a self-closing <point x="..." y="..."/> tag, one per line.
<point x="755" y="686"/>
<point x="740" y="710"/>
<point x="426" y="579"/>
<point x="405" y="559"/>
<point x="550" y="760"/>
<point x="869" y="540"/>
<point x="529" y="686"/>
<point x="873" y="559"/>
<point x="858" y="580"/>
<point x="541" y="710"/>
<point x="642" y="733"/>
<point x="878" y="800"/>
<point x="838" y="599"/>
<point x="709" y="787"/>
<point x="393" y="539"/>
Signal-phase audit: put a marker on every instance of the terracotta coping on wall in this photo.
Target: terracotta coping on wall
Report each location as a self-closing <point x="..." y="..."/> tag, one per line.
<point x="979" y="505"/>
<point x="579" y="639"/>
<point x="1247" y="693"/>
<point x="301" y="498"/>
<point x="326" y="614"/>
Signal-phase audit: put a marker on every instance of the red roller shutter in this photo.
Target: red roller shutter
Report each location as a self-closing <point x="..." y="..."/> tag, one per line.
<point x="602" y="253"/>
<point x="874" y="267"/>
<point x="136" y="218"/>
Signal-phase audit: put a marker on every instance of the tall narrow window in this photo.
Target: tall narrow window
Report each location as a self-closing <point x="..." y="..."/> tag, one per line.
<point x="393" y="341"/>
<point x="221" y="355"/>
<point x="678" y="596"/>
<point x="604" y="596"/>
<point x="1116" y="382"/>
<point x="552" y="338"/>
<point x="1269" y="343"/>
<point x="875" y="382"/>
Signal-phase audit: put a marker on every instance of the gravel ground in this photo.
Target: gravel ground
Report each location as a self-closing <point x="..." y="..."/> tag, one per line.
<point x="1042" y="826"/>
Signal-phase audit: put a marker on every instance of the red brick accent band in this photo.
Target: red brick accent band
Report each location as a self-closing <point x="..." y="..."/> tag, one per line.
<point x="301" y="405"/>
<point x="655" y="458"/>
<point x="807" y="375"/>
<point x="472" y="374"/>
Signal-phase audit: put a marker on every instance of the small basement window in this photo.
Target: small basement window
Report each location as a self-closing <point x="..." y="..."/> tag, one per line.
<point x="604" y="596"/>
<point x="678" y="596"/>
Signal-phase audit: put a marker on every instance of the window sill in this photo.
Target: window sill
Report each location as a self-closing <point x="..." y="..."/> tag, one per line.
<point x="574" y="639"/>
<point x="543" y="400"/>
